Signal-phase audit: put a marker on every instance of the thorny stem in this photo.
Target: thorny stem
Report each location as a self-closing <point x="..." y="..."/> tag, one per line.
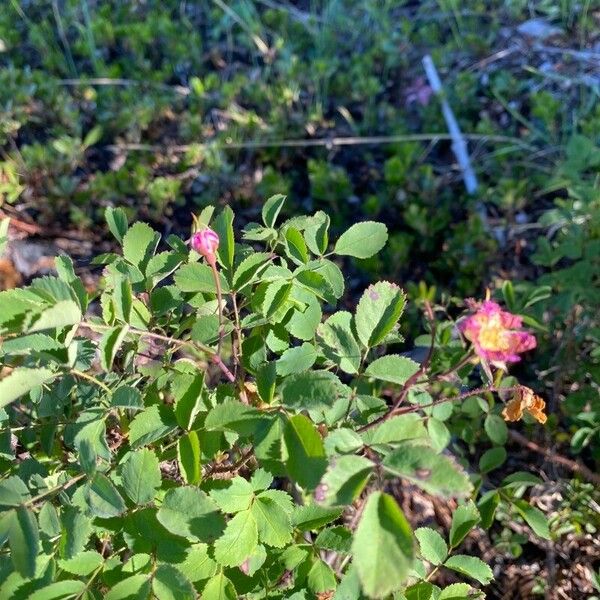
<point x="215" y="272"/>
<point x="91" y="378"/>
<point x="58" y="488"/>
<point x="414" y="377"/>
<point x="461" y="363"/>
<point x="463" y="396"/>
<point x="89" y="582"/>
<point x="169" y="340"/>
<point x="151" y="335"/>
<point x="393" y="412"/>
<point x="433" y="572"/>
<point x="237" y="350"/>
<point x="219" y="362"/>
<point x="238" y="329"/>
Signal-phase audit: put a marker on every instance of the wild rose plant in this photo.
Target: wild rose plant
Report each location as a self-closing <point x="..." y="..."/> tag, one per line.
<point x="247" y="454"/>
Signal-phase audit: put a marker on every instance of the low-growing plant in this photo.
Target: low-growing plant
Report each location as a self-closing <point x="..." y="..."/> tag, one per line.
<point x="210" y="423"/>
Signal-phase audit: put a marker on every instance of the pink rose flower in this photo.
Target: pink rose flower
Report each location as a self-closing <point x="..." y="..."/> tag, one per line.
<point x="496" y="335"/>
<point x="206" y="243"/>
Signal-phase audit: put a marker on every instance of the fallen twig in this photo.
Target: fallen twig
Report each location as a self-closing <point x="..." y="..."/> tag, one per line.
<point x="372" y="140"/>
<point x="572" y="465"/>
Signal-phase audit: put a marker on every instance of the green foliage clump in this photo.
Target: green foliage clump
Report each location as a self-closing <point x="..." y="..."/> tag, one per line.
<point x="225" y="431"/>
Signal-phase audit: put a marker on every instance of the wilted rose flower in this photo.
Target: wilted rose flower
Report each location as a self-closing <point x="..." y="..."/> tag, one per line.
<point x="206" y="243"/>
<point x="496" y="335"/>
<point x="525" y="399"/>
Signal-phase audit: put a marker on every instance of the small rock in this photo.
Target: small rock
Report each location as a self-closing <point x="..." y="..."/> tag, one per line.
<point x="32" y="258"/>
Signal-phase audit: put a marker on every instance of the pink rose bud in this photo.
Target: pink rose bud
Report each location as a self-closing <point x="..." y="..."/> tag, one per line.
<point x="206" y="242"/>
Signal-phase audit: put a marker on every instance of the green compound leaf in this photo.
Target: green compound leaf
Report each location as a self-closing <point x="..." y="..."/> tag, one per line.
<point x="187" y="390"/>
<point x="24" y="541"/>
<point x="190" y="513"/>
<point x="151" y="424"/>
<point x="122" y="299"/>
<point x="219" y="588"/>
<point x="170" y="583"/>
<point x="342" y="441"/>
<point x="136" y="587"/>
<point x="198" y="564"/>
<point x="383" y="547"/>
<point x="487" y="505"/>
<point x="492" y="459"/>
<point x="116" y="220"/>
<point x="303" y="323"/>
<point x="271" y="209"/>
<point x="457" y="591"/>
<point x="13" y="491"/>
<point x="140" y="476"/>
<point x="76" y="529"/>
<point x="273" y="522"/>
<point x="127" y="397"/>
<point x="321" y="577"/>
<point x="397" y="429"/>
<point x="238" y="541"/>
<point x="235" y="496"/>
<point x="470" y="566"/>
<point x="249" y="269"/>
<point x="103" y="498"/>
<point x="60" y="590"/>
<point x="316" y="233"/>
<point x="439" y="434"/>
<point x="313" y="516"/>
<point x="296" y="246"/>
<point x="139" y="244"/>
<point x="235" y="416"/>
<point x="344" y="480"/>
<point x="198" y="277"/>
<point x="433" y="546"/>
<point x="496" y="429"/>
<point x="36" y="342"/>
<point x="435" y="473"/>
<point x="110" y="344"/>
<point x="189" y="458"/>
<point x="83" y="563"/>
<point x="331" y="275"/>
<point x="21" y="381"/>
<point x="393" y="368"/>
<point x="362" y="240"/>
<point x="311" y="390"/>
<point x="296" y="360"/>
<point x="336" y="538"/>
<point x="61" y="314"/>
<point x="276" y="295"/>
<point x="465" y="517"/>
<point x="223" y="226"/>
<point x="378" y="311"/>
<point x="534" y="517"/>
<point x="306" y="461"/>
<point x="338" y="342"/>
